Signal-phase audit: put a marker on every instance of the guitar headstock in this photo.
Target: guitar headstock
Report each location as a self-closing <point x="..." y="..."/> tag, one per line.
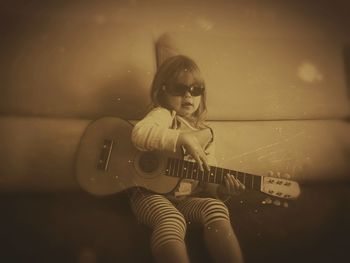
<point x="280" y="187"/>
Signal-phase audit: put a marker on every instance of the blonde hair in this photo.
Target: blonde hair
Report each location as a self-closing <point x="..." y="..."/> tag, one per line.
<point x="168" y="73"/>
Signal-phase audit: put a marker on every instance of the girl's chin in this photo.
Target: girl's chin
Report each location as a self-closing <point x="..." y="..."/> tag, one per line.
<point x="186" y="112"/>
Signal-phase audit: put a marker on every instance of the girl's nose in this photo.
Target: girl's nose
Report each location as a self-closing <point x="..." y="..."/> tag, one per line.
<point x="187" y="94"/>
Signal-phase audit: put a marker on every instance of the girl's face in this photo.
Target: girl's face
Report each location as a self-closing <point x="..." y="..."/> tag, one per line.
<point x="187" y="104"/>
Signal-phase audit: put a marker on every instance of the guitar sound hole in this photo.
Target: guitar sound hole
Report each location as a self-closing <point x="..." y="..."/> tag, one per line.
<point x="148" y="162"/>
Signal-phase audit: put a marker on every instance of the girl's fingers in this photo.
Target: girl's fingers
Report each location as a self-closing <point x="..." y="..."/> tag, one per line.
<point x="200" y="156"/>
<point x="236" y="182"/>
<point x="205" y="162"/>
<point x="236" y="185"/>
<point x="228" y="185"/>
<point x="198" y="160"/>
<point x="240" y="186"/>
<point x="233" y="186"/>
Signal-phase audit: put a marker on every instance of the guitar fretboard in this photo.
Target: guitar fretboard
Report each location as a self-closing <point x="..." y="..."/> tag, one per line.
<point x="190" y="170"/>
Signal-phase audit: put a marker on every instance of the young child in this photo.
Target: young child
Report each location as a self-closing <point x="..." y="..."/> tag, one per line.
<point x="177" y="123"/>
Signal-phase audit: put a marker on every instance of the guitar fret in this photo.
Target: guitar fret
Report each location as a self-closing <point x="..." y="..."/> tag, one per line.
<point x="167" y="171"/>
<point x="220" y="170"/>
<point x="214" y="179"/>
<point x="257" y="183"/>
<point x="239" y="176"/>
<point x="194" y="171"/>
<point x="174" y="167"/>
<point x="222" y="176"/>
<point x="247" y="180"/>
<point x="186" y="169"/>
<point x="218" y="177"/>
<point x="171" y="168"/>
<point x="181" y="168"/>
<point x="207" y="173"/>
<point x="211" y="174"/>
<point x="177" y="166"/>
<point x="225" y="172"/>
<point x="200" y="175"/>
<point x="190" y="169"/>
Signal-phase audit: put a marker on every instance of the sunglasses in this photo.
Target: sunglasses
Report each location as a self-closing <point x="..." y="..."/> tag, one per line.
<point x="181" y="89"/>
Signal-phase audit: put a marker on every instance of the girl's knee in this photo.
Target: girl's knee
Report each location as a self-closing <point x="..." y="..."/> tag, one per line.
<point x="214" y="210"/>
<point x="170" y="228"/>
<point x="173" y="220"/>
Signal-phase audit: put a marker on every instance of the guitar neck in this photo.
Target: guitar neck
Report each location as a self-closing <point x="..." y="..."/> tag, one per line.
<point x="190" y="170"/>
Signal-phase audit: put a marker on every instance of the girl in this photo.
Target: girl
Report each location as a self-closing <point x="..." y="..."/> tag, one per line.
<point x="175" y="124"/>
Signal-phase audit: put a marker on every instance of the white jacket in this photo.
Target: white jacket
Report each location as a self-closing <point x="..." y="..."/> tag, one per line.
<point x="160" y="130"/>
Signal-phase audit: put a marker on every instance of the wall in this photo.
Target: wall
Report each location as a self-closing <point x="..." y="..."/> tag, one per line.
<point x="261" y="59"/>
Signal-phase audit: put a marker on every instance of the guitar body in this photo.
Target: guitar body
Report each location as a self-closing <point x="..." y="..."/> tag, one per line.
<point x="107" y="161"/>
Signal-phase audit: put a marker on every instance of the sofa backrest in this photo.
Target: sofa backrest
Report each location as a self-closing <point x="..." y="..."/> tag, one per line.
<point x="265" y="64"/>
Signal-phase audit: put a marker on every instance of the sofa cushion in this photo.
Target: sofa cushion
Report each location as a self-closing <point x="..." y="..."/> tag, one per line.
<point x="38" y="154"/>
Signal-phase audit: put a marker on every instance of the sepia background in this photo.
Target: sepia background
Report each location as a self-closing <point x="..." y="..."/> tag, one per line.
<point x="278" y="80"/>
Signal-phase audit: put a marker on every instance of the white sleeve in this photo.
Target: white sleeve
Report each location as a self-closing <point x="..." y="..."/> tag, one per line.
<point x="154" y="131"/>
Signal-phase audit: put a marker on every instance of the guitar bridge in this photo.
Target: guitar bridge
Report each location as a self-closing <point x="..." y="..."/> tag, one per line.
<point x="105" y="155"/>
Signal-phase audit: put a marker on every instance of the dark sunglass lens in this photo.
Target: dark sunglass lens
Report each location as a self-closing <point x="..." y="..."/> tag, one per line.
<point x="196" y="91"/>
<point x="179" y="89"/>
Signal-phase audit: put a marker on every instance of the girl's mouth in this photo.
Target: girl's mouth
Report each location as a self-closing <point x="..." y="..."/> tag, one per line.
<point x="187" y="104"/>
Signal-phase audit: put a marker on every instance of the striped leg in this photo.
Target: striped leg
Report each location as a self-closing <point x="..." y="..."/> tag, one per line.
<point x="159" y="213"/>
<point x="203" y="210"/>
<point x="219" y="236"/>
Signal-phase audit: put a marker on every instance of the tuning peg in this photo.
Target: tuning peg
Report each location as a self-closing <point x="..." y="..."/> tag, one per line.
<point x="267" y="201"/>
<point x="286" y="175"/>
<point x="279" y="175"/>
<point x="277" y="202"/>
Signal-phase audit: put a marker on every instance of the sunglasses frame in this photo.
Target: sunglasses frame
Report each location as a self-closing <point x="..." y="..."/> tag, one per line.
<point x="180" y="89"/>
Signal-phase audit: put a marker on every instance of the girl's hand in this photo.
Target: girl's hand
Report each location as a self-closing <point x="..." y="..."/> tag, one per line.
<point x="232" y="186"/>
<point x="192" y="145"/>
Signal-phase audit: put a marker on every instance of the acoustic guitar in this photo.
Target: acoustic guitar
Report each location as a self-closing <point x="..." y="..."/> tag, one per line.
<point x="107" y="163"/>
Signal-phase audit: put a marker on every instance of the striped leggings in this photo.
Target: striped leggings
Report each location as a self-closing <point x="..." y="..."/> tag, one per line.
<point x="168" y="220"/>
